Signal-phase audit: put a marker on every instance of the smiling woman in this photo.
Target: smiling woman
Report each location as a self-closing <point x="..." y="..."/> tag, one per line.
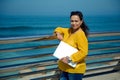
<point x="76" y="36"/>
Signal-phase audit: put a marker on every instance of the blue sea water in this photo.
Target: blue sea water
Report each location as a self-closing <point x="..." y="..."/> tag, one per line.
<point x="17" y="26"/>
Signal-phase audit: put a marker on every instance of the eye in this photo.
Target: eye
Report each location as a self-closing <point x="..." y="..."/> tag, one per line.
<point x="72" y="21"/>
<point x="76" y="20"/>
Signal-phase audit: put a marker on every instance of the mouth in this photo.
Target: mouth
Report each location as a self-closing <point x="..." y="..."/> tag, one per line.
<point x="74" y="27"/>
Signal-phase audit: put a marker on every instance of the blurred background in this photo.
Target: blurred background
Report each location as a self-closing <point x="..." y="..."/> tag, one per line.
<point x="19" y="18"/>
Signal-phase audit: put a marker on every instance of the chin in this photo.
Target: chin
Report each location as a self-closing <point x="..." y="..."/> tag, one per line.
<point x="74" y="28"/>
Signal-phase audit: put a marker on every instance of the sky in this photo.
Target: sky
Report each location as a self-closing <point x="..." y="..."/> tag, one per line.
<point x="59" y="7"/>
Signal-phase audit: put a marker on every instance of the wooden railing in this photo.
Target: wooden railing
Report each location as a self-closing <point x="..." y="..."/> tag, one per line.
<point x="31" y="58"/>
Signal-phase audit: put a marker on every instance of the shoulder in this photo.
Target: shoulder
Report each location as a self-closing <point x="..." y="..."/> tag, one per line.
<point x="62" y="28"/>
<point x="80" y="35"/>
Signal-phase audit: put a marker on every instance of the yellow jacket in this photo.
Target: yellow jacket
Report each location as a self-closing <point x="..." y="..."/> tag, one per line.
<point x="79" y="41"/>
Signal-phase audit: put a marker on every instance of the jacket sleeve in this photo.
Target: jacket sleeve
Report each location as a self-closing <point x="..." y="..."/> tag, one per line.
<point x="82" y="46"/>
<point x="59" y="29"/>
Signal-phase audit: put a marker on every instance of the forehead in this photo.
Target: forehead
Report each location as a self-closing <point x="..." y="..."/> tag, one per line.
<point x="76" y="17"/>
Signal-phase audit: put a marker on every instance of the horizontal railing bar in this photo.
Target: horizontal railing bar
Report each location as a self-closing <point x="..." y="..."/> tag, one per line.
<point x="107" y="55"/>
<point x="100" y="73"/>
<point x="104" y="41"/>
<point x="38" y="47"/>
<point x="53" y="37"/>
<point x="43" y="60"/>
<point x="107" y="48"/>
<point x="110" y="54"/>
<point x="102" y="61"/>
<point x="88" y="58"/>
<point x="41" y="65"/>
<point x="102" y="67"/>
<point x="38" y="65"/>
<point x="26" y="48"/>
<point x="46" y="77"/>
<point x="50" y="45"/>
<point x="55" y="63"/>
<point x="26" y="57"/>
<point x="104" y="34"/>
<point x="2" y="67"/>
<point x="85" y="76"/>
<point x="54" y="68"/>
<point x="46" y="71"/>
<point x="27" y="39"/>
<point x="28" y="73"/>
<point x="88" y="63"/>
<point x="90" y="42"/>
<point x="100" y="56"/>
<point x="44" y="46"/>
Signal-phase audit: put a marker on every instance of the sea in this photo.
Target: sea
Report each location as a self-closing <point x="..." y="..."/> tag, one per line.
<point x="13" y="27"/>
<point x="24" y="26"/>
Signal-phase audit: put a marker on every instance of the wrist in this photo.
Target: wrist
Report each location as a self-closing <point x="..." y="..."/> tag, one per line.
<point x="57" y="33"/>
<point x="69" y="59"/>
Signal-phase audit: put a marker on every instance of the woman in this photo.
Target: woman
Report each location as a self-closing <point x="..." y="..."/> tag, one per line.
<point x="75" y="36"/>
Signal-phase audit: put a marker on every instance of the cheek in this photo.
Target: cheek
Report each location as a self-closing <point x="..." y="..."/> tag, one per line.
<point x="75" y="25"/>
<point x="78" y="24"/>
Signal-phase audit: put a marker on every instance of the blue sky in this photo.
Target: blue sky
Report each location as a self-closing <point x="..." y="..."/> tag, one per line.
<point x="59" y="7"/>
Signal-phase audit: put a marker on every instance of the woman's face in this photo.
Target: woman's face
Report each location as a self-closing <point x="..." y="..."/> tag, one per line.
<point x="75" y="22"/>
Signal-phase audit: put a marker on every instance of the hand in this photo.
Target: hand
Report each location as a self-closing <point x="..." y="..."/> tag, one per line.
<point x="59" y="36"/>
<point x="65" y="59"/>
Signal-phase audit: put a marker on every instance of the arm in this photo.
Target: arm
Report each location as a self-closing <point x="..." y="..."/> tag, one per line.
<point x="59" y="36"/>
<point x="82" y="45"/>
<point x="59" y="31"/>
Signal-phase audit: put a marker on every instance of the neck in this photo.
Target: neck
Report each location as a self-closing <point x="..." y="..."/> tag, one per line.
<point x="74" y="30"/>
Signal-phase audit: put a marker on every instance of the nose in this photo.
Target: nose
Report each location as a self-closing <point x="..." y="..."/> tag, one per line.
<point x="73" y="22"/>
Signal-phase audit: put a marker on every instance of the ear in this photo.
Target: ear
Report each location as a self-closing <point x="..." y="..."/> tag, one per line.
<point x="81" y="21"/>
